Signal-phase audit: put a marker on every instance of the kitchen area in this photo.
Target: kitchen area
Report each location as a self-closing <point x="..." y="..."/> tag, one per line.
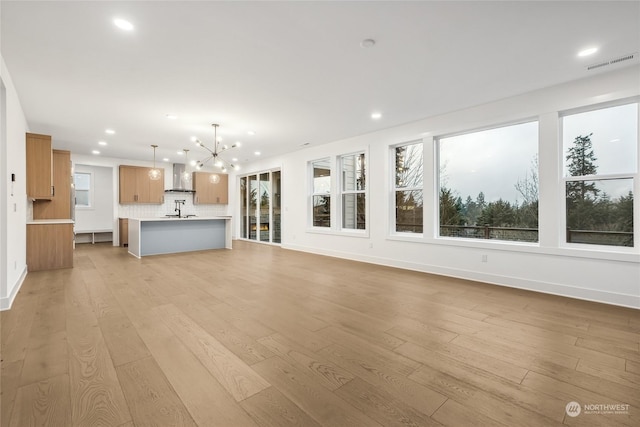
<point x="173" y="211"/>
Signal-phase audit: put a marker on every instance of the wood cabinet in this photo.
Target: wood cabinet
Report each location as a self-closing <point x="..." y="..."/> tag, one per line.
<point x="60" y="204"/>
<point x="137" y="187"/>
<point x="49" y="246"/>
<point x="123" y="231"/>
<point x="39" y="166"/>
<point x="209" y="190"/>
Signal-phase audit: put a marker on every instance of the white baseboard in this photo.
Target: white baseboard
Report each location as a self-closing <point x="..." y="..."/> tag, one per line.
<point x="6" y="302"/>
<point x="623" y="300"/>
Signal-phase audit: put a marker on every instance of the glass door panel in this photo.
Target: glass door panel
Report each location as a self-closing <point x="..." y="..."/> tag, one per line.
<point x="253" y="207"/>
<point x="275" y="207"/>
<point x="265" y="197"/>
<point x="244" y="213"/>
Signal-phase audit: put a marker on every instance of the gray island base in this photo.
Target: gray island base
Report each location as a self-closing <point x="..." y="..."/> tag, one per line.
<point x="155" y="236"/>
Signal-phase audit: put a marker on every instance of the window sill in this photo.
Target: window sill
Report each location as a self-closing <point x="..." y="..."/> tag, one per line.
<point x="341" y="232"/>
<point x="631" y="255"/>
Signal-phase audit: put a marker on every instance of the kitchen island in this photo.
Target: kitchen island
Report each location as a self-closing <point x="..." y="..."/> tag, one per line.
<point x="168" y="235"/>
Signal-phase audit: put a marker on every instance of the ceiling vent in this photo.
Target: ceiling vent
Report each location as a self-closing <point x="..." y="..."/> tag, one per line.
<point x="623" y="58"/>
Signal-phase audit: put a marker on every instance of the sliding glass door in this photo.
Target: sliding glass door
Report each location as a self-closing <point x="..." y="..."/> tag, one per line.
<point x="260" y="207"/>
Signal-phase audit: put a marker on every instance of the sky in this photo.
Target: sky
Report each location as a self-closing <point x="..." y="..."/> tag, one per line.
<point x="493" y="161"/>
<point x="489" y="161"/>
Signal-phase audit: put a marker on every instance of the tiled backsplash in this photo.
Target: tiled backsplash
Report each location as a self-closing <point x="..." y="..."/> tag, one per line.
<point x="151" y="211"/>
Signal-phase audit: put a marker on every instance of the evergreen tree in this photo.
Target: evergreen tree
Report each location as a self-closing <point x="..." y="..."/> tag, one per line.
<point x="581" y="195"/>
<point x="581" y="162"/>
<point x="498" y="214"/>
<point x="450" y="209"/>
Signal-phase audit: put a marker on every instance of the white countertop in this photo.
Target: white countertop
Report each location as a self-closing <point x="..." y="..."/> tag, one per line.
<point x="192" y="218"/>
<point x="50" y="221"/>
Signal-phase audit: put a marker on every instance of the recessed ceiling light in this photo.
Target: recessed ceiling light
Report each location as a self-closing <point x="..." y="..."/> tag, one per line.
<point x="102" y="143"/>
<point x="110" y="131"/>
<point x="180" y="153"/>
<point x="251" y="132"/>
<point x="376" y="116"/>
<point x="171" y="116"/>
<point x="615" y="140"/>
<point x="194" y="139"/>
<point x="123" y="24"/>
<point x="257" y="153"/>
<point x="95" y="152"/>
<point x="367" y="43"/>
<point x="235" y="159"/>
<point x="587" y="52"/>
<point x="166" y="159"/>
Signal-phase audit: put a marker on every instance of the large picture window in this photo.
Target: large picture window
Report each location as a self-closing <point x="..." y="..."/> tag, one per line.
<point x="409" y="203"/>
<point x="321" y="193"/>
<point x="600" y="164"/>
<point x="488" y="184"/>
<point x="353" y="200"/>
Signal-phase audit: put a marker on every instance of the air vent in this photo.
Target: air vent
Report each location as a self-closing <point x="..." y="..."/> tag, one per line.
<point x="614" y="61"/>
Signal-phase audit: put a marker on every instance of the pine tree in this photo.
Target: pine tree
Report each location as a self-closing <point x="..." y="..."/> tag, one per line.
<point x="581" y="162"/>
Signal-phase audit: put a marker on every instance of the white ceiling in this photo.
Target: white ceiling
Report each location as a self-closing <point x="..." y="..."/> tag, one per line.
<point x="294" y="72"/>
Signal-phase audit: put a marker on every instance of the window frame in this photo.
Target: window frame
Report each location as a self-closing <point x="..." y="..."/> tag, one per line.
<point x="356" y="192"/>
<point x="313" y="194"/>
<point x="394" y="190"/>
<point x="437" y="167"/>
<point x="564" y="180"/>
<point x="90" y="191"/>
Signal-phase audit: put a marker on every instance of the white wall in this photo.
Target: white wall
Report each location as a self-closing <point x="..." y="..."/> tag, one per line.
<point x="14" y="195"/>
<point x="609" y="275"/>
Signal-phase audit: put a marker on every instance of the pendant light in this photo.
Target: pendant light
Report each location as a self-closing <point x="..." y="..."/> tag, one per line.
<point x="154" y="174"/>
<point x="186" y="175"/>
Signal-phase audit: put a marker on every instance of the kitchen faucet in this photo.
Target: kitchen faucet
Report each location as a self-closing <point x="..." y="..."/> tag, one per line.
<point x="177" y="209"/>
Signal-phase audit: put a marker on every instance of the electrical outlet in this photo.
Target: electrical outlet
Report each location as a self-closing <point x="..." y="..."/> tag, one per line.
<point x="370" y="245"/>
<point x="15" y="265"/>
<point x="485" y="258"/>
<point x="15" y="207"/>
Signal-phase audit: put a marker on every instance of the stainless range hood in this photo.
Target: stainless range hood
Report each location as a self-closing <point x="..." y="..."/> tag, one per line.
<point x="180" y="185"/>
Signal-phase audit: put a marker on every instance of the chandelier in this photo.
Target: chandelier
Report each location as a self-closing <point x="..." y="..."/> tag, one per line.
<point x="214" y="154"/>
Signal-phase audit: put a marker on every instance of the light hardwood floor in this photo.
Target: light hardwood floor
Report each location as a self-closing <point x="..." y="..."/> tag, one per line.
<point x="261" y="336"/>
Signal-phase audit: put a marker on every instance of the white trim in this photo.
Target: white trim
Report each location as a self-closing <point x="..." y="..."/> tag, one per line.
<point x="7" y="302"/>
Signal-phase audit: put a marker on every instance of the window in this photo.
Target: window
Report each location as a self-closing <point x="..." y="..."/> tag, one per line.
<point x="600" y="164"/>
<point x="82" y="184"/>
<point x="353" y="199"/>
<point x="489" y="184"/>
<point x="321" y="193"/>
<point x="408" y="188"/>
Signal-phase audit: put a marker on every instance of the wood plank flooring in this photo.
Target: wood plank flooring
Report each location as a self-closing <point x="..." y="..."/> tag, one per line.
<point x="262" y="336"/>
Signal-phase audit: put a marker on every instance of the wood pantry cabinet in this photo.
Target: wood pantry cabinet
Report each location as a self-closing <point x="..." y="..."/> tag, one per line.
<point x="60" y="204"/>
<point x="209" y="191"/>
<point x="49" y="245"/>
<point x="137" y="187"/>
<point x="39" y="167"/>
